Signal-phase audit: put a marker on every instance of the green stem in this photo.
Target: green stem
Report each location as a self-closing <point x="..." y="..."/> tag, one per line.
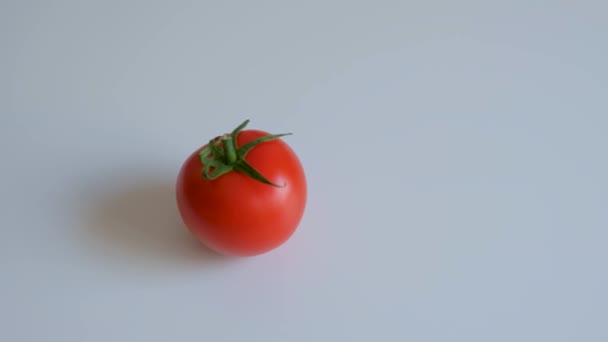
<point x="218" y="160"/>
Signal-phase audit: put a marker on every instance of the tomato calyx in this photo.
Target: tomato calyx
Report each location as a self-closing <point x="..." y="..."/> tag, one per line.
<point x="222" y="155"/>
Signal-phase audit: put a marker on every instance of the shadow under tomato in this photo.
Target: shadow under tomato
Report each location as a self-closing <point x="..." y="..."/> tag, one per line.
<point x="137" y="224"/>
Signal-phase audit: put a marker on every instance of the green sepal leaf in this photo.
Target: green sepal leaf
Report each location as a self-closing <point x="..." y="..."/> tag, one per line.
<point x="239" y="128"/>
<point x="243" y="150"/>
<point x="250" y="171"/>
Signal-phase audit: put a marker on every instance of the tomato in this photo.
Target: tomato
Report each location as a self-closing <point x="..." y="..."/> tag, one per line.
<point x="243" y="193"/>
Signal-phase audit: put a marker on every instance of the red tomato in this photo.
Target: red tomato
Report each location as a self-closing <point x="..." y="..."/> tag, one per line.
<point x="241" y="212"/>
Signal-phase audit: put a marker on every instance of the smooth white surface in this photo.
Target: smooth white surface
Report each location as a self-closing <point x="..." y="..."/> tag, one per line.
<point x="455" y="151"/>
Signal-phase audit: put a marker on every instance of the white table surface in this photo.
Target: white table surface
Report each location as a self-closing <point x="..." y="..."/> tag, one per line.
<point x="456" y="154"/>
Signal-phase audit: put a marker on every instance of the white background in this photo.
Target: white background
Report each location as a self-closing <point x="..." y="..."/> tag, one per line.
<point x="455" y="154"/>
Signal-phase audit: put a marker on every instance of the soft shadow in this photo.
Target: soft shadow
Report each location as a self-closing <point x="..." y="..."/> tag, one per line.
<point x="138" y="224"/>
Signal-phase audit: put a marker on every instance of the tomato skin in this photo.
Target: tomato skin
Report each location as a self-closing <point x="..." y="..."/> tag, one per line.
<point x="237" y="215"/>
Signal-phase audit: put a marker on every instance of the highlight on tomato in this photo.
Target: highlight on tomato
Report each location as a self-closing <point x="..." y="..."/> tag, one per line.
<point x="243" y="193"/>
